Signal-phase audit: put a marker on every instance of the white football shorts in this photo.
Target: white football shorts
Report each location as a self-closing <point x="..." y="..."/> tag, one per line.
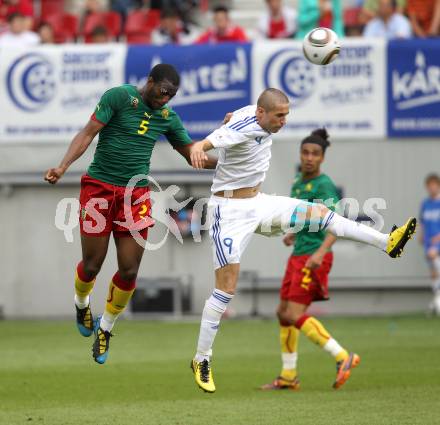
<point x="232" y="222"/>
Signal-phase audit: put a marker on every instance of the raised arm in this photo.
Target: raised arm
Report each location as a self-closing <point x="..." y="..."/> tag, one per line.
<point x="77" y="147"/>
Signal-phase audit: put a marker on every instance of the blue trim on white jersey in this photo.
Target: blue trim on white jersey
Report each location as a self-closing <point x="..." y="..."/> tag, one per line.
<point x="241" y="122"/>
<point x="252" y="121"/>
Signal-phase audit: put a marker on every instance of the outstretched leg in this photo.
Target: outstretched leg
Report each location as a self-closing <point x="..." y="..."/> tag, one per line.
<point x="325" y="219"/>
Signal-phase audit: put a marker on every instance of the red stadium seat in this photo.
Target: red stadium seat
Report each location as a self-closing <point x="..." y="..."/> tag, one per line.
<point x="110" y="20"/>
<point x="140" y="24"/>
<point x="65" y="26"/>
<point x="50" y="7"/>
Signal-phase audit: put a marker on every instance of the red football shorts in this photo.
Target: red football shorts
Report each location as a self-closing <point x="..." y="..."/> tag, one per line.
<point x="103" y="209"/>
<point x="302" y="285"/>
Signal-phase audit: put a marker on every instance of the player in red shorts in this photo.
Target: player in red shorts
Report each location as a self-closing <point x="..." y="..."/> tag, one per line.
<point x="306" y="276"/>
<point x="129" y="122"/>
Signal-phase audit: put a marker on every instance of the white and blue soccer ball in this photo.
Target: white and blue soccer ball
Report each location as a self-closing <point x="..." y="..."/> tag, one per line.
<point x="321" y="46"/>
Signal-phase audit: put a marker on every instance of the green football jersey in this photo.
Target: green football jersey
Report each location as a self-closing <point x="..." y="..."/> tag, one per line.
<point x="320" y="188"/>
<point x="131" y="130"/>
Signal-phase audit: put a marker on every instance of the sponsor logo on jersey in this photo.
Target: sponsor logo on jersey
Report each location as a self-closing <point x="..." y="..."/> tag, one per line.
<point x="259" y="139"/>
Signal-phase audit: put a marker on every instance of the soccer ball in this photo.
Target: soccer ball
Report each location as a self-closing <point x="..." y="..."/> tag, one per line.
<point x="321" y="46"/>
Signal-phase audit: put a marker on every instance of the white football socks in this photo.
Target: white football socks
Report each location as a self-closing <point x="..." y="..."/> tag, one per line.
<point x="333" y="347"/>
<point x="215" y="306"/>
<point x="108" y="321"/>
<point x="289" y="360"/>
<point x="82" y="302"/>
<point x="347" y="229"/>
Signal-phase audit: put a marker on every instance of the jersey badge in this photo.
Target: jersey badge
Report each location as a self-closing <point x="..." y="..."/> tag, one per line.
<point x="134" y="101"/>
<point x="165" y="113"/>
<point x="308" y="187"/>
<point x="259" y="139"/>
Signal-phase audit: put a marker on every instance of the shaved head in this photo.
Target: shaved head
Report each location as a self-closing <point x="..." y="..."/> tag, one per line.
<point x="272" y="110"/>
<point x="271" y="99"/>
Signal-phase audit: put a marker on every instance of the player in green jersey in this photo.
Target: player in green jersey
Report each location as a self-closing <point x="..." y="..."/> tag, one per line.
<point x="306" y="276"/>
<point x="129" y="122"/>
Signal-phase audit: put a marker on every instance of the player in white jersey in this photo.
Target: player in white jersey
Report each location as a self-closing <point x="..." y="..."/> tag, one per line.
<point x="237" y="210"/>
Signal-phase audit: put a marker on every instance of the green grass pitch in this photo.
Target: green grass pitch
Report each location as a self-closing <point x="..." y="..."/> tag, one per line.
<point x="47" y="375"/>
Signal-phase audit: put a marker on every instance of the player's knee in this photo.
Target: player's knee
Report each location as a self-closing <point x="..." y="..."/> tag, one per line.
<point x="280" y="312"/>
<point x="226" y="279"/>
<point x="229" y="288"/>
<point x="91" y="268"/>
<point x="295" y="316"/>
<point x="284" y="318"/>
<point x="128" y="274"/>
<point x="318" y="210"/>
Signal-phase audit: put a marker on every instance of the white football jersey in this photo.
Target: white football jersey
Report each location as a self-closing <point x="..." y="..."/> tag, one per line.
<point x="244" y="151"/>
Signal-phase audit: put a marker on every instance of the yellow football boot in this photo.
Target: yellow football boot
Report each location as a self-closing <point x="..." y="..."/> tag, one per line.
<point x="399" y="236"/>
<point x="203" y="375"/>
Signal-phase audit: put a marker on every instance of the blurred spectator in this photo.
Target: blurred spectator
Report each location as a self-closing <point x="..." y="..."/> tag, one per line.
<point x="122" y="7"/>
<point x="223" y="29"/>
<point x="388" y="23"/>
<point x="188" y="10"/>
<point x="171" y="30"/>
<point x="277" y="21"/>
<point x="370" y="8"/>
<point x="319" y="13"/>
<point x="425" y="17"/>
<point x="352" y="24"/>
<point x="99" y="35"/>
<point x="18" y="35"/>
<point x="46" y="33"/>
<point x="24" y="7"/>
<point x="430" y="234"/>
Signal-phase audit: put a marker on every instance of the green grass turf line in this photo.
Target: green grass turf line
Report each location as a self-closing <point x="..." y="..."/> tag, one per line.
<point x="47" y="375"/>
